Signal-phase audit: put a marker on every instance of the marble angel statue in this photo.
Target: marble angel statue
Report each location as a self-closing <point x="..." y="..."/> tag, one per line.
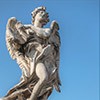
<point x="36" y="50"/>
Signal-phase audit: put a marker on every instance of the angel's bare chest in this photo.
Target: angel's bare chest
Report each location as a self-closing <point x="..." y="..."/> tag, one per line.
<point x="44" y="31"/>
<point x="40" y="32"/>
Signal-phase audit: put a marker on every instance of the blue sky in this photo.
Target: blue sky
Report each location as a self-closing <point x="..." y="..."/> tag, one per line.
<point x="79" y="31"/>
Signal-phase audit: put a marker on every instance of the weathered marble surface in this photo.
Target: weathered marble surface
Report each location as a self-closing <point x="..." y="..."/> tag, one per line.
<point x="36" y="50"/>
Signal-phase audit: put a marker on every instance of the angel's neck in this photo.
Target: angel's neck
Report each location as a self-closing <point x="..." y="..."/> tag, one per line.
<point x="38" y="24"/>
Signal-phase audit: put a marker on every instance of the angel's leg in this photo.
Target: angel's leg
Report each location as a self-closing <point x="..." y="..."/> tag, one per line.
<point x="43" y="76"/>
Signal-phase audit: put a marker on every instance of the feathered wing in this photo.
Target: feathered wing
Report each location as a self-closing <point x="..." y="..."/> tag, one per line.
<point x="56" y="43"/>
<point x="14" y="43"/>
<point x="12" y="46"/>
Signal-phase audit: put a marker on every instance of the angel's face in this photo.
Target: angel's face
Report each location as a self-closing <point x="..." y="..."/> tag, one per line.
<point x="42" y="17"/>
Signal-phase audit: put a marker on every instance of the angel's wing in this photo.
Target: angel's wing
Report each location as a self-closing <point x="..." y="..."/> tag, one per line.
<point x="11" y="43"/>
<point x="14" y="43"/>
<point x="56" y="42"/>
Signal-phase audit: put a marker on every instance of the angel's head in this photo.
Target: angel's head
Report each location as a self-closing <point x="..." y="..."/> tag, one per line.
<point x="40" y="16"/>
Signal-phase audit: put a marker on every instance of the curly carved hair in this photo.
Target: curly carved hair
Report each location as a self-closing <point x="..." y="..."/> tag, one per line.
<point x="37" y="10"/>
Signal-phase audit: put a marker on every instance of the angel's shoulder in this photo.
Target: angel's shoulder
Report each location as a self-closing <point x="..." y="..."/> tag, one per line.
<point x="47" y="30"/>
